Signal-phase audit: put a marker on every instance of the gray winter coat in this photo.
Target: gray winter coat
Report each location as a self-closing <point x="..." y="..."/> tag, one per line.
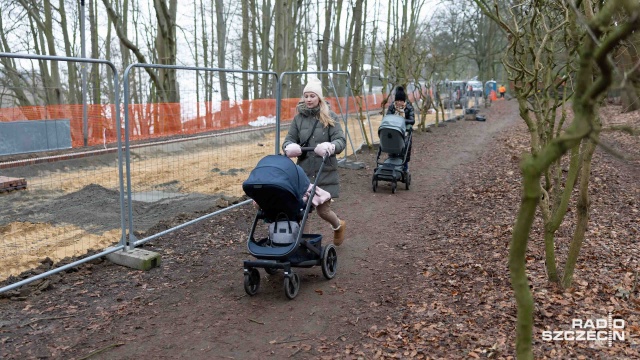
<point x="299" y="131"/>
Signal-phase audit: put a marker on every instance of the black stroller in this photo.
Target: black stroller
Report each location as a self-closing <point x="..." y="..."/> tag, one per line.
<point x="395" y="140"/>
<point x="278" y="185"/>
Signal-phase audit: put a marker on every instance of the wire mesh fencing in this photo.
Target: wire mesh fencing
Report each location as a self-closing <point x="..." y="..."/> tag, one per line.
<point x="60" y="195"/>
<point x="191" y="156"/>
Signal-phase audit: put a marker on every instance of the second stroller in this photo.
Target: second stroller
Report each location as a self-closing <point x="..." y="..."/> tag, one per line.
<point x="395" y="140"/>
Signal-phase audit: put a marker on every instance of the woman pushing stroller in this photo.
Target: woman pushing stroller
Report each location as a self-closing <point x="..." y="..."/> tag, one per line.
<point x="402" y="107"/>
<point x="317" y="126"/>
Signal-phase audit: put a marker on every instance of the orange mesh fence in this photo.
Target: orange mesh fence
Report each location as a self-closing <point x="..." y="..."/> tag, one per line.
<point x="167" y="119"/>
<point x="100" y="120"/>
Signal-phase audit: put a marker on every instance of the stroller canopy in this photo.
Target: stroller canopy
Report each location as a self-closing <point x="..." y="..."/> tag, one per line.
<point x="393" y="122"/>
<point x="392" y="134"/>
<point x="277" y="185"/>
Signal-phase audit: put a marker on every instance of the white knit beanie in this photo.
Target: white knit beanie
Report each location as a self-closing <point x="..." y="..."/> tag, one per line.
<point x="314" y="85"/>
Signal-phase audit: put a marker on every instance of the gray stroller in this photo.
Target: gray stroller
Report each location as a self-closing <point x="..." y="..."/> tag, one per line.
<point x="395" y="139"/>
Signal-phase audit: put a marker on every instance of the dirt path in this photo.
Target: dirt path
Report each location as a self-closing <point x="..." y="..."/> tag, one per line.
<point x="71" y="207"/>
<point x="194" y="305"/>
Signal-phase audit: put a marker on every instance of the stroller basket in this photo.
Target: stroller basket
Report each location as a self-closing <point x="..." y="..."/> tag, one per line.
<point x="275" y="252"/>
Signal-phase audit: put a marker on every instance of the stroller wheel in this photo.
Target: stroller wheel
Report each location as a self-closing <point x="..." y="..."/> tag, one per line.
<point x="329" y="262"/>
<point x="271" y="271"/>
<point x="374" y="185"/>
<point x="291" y="285"/>
<point x="393" y="187"/>
<point x="408" y="182"/>
<point x="252" y="281"/>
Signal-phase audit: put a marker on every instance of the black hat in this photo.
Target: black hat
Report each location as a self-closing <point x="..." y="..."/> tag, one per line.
<point x="400" y="95"/>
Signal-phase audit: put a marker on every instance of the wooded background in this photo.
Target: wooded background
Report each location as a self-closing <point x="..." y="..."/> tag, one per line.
<point x="408" y="40"/>
<point x="562" y="60"/>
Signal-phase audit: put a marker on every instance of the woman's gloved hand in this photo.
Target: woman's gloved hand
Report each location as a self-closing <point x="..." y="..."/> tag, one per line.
<point x="292" y="150"/>
<point x="325" y="148"/>
<point x="321" y="196"/>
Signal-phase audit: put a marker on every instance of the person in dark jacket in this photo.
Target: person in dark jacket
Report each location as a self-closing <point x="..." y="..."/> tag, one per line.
<point x="402" y="107"/>
<point x="317" y="126"/>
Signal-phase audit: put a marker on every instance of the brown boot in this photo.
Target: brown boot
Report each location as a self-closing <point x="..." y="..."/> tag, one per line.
<point x="338" y="234"/>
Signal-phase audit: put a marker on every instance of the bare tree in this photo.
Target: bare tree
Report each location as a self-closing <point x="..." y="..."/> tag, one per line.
<point x="267" y="52"/>
<point x="357" y="51"/>
<point x="74" y="94"/>
<point x="326" y="38"/>
<point x="245" y="49"/>
<point x="164" y="81"/>
<point x="42" y="18"/>
<point x="280" y="48"/>
<point x="599" y="33"/>
<point x="166" y="47"/>
<point x="221" y="32"/>
<point x="254" y="25"/>
<point x="630" y="79"/>
<point x="9" y="69"/>
<point x="95" y="50"/>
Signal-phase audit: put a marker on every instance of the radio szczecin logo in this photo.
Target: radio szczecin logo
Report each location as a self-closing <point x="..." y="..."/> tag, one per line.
<point x="607" y="329"/>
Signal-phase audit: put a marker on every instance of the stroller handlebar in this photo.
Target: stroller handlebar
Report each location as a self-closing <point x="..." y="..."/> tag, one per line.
<point x="311" y="148"/>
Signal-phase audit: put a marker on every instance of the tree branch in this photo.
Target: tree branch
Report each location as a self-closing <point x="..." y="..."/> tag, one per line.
<point x="131" y="46"/>
<point x="628" y="129"/>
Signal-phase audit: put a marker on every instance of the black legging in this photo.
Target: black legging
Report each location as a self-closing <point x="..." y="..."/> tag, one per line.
<point x="409" y="151"/>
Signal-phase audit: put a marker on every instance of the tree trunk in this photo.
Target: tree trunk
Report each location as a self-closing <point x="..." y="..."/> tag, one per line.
<point x="50" y="77"/>
<point x="386" y="66"/>
<point x="245" y="50"/>
<point x="292" y="44"/>
<point x="221" y="32"/>
<point x="56" y="88"/>
<point x="128" y="44"/>
<point x="134" y="84"/>
<point x="208" y="91"/>
<point x="212" y="75"/>
<point x="336" y="54"/>
<point x="95" y="51"/>
<point x="374" y="39"/>
<point x="326" y="39"/>
<point x="10" y="68"/>
<point x="166" y="47"/>
<point x="43" y="81"/>
<point x="582" y="213"/>
<point x="343" y="63"/>
<point x="267" y="17"/>
<point x="255" y="23"/>
<point x="557" y="214"/>
<point x="279" y="58"/>
<point x="356" y="52"/>
<point x="197" y="61"/>
<point x="74" y="94"/>
<point x="630" y="93"/>
<point x="107" y="56"/>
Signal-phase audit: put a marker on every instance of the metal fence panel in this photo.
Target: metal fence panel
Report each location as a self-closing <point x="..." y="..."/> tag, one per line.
<point x="73" y="205"/>
<point x="195" y="156"/>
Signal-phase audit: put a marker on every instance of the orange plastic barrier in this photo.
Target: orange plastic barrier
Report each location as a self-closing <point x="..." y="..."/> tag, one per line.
<point x="154" y="120"/>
